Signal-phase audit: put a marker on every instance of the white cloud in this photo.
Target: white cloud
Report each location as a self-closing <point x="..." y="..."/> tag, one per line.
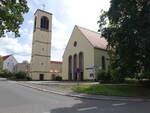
<point x="57" y="54"/>
<point x="30" y="36"/>
<point x="59" y="34"/>
<point x="32" y="5"/>
<point x="69" y="13"/>
<point x="24" y="31"/>
<point x="30" y="22"/>
<point x="12" y="46"/>
<point x="59" y="39"/>
<point x="85" y="12"/>
<point x="77" y="12"/>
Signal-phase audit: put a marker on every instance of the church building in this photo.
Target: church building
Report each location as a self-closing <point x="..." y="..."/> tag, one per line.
<point x="85" y="52"/>
<point x="84" y="55"/>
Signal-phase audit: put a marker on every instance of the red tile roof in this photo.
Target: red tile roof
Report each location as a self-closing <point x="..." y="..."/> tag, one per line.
<point x="5" y="57"/>
<point x="94" y="38"/>
<point x="55" y="71"/>
<point x="56" y="62"/>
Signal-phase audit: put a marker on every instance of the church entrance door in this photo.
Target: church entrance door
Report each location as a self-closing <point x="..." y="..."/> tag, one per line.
<point x="41" y="76"/>
<point x="81" y="65"/>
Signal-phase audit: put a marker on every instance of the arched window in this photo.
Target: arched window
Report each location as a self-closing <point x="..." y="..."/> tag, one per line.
<point x="44" y="23"/>
<point x="75" y="66"/>
<point x="70" y="67"/>
<point x="103" y="63"/>
<point x="75" y="43"/>
<point x="35" y="23"/>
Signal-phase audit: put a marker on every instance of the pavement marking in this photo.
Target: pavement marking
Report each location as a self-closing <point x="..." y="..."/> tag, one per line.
<point x="120" y="104"/>
<point x="86" y="109"/>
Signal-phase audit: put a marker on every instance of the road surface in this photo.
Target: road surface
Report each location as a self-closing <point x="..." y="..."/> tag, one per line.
<point x="19" y="99"/>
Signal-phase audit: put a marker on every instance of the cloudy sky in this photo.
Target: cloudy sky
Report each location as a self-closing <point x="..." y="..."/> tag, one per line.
<point x="66" y="14"/>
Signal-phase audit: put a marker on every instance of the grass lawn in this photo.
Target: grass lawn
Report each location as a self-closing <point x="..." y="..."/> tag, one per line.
<point x="131" y="90"/>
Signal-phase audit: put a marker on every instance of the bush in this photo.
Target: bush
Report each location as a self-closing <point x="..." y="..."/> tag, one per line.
<point x="6" y="74"/>
<point x="117" y="76"/>
<point x="2" y="74"/>
<point x="104" y="77"/>
<point x="21" y="75"/>
<point x="146" y="75"/>
<point x="29" y="78"/>
<point x="58" y="78"/>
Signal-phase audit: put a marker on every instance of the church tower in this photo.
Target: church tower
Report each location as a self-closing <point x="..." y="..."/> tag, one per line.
<point x="41" y="46"/>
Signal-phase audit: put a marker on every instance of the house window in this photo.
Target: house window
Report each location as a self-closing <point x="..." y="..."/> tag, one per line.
<point x="103" y="63"/>
<point x="7" y="64"/>
<point x="44" y="23"/>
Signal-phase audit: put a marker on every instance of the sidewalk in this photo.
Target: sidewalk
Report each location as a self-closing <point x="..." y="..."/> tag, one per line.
<point x="55" y="89"/>
<point x="3" y="79"/>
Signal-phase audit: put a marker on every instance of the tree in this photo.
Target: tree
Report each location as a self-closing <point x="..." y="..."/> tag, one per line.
<point x="126" y="27"/>
<point x="1" y="63"/>
<point x="25" y="62"/>
<point x="11" y="15"/>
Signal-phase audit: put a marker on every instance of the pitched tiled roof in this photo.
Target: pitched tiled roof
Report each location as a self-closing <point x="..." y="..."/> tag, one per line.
<point x="56" y="62"/>
<point x="5" y="57"/>
<point x="55" y="71"/>
<point x="94" y="38"/>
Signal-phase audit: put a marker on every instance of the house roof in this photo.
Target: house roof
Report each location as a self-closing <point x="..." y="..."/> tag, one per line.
<point x="56" y="62"/>
<point x="5" y="57"/>
<point x="94" y="38"/>
<point x="55" y="71"/>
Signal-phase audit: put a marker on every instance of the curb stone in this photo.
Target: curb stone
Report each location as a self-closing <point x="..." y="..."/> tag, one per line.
<point x="84" y="96"/>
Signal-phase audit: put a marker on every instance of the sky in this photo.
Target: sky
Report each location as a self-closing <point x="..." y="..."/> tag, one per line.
<point x="66" y="14"/>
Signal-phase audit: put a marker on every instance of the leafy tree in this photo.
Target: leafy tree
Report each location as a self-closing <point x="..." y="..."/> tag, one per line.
<point x="11" y="15"/>
<point x="21" y="75"/>
<point x="126" y="27"/>
<point x="1" y="63"/>
<point x="25" y="62"/>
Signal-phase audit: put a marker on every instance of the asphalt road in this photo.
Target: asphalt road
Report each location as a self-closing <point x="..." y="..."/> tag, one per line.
<point x="19" y="99"/>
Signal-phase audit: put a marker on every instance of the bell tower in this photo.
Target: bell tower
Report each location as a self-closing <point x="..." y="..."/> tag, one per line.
<point x="41" y="46"/>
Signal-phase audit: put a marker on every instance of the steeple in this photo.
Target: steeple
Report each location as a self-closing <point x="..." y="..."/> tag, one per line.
<point x="41" y="46"/>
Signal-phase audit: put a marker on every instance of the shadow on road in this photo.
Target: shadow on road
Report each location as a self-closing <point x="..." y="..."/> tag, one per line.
<point x="97" y="106"/>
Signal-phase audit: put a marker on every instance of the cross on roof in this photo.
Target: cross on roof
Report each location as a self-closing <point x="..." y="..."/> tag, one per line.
<point x="43" y="5"/>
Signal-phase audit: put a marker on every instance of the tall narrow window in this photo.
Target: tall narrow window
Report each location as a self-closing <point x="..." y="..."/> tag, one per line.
<point x="44" y="23"/>
<point x="35" y="24"/>
<point x="103" y="63"/>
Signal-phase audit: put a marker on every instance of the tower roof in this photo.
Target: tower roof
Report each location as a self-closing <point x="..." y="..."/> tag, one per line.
<point x="94" y="38"/>
<point x="43" y="11"/>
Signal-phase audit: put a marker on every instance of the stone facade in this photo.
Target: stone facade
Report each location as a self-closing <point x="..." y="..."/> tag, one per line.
<point x="56" y="68"/>
<point x="22" y="67"/>
<point x="41" y="46"/>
